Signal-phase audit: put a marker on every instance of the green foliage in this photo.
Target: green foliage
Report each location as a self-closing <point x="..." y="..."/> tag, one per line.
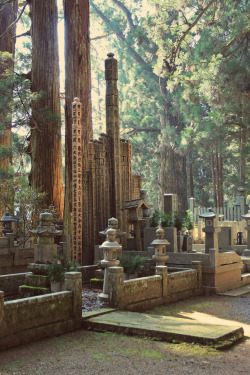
<point x="178" y="222"/>
<point x="205" y="73"/>
<point x="59" y="265"/>
<point x="188" y="222"/>
<point x="161" y="218"/>
<point x="131" y="262"/>
<point x="55" y="271"/>
<point x="15" y="194"/>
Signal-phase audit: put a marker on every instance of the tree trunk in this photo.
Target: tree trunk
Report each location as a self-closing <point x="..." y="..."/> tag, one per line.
<point x="77" y="84"/>
<point x="173" y="174"/>
<point x="7" y="43"/>
<point x="191" y="179"/>
<point x="46" y="153"/>
<point x="243" y="138"/>
<point x="214" y="180"/>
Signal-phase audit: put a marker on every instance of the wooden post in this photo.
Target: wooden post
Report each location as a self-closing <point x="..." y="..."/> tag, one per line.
<point x="113" y="131"/>
<point x="77" y="181"/>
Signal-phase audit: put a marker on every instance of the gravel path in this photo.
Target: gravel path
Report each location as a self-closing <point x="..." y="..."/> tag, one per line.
<point x="91" y="353"/>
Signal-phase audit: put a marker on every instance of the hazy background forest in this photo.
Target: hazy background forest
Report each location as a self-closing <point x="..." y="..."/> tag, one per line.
<point x="183" y="92"/>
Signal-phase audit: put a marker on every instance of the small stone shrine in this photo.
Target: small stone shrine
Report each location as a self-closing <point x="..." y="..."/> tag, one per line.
<point x="37" y="281"/>
<point x="46" y="232"/>
<point x="136" y="209"/>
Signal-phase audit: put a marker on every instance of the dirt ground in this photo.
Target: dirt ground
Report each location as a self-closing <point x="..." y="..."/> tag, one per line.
<point x="85" y="352"/>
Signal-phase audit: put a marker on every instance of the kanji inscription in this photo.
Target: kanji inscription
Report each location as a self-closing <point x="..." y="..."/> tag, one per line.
<point x="76" y="181"/>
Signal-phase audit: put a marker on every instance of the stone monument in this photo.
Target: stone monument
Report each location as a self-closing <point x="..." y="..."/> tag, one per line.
<point x="77" y="182"/>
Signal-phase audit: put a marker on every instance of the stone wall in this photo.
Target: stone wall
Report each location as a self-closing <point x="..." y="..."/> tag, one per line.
<point x="12" y="258"/>
<point x="147" y="292"/>
<point x="9" y="284"/>
<point x="27" y="319"/>
<point x="220" y="271"/>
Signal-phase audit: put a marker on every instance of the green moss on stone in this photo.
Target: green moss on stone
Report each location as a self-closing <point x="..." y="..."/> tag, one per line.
<point x="32" y="287"/>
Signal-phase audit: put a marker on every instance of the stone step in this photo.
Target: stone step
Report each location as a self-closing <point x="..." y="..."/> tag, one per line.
<point x="238" y="291"/>
<point x="165" y="328"/>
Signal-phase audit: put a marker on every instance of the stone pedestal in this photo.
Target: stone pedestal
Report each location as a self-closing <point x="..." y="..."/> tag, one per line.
<point x="73" y="283"/>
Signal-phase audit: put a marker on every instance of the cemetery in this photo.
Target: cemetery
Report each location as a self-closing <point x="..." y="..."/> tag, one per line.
<point x="42" y="282"/>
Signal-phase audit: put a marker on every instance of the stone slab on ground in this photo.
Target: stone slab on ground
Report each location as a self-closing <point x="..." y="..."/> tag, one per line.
<point x="236" y="292"/>
<point x="165" y="328"/>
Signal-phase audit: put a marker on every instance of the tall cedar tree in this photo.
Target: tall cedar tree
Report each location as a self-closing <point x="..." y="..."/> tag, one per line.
<point x="7" y="44"/>
<point x="46" y="155"/>
<point x="77" y="84"/>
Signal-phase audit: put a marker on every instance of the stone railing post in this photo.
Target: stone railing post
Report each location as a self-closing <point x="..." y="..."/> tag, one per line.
<point x="1" y="306"/>
<point x="197" y="265"/>
<point x="163" y="271"/>
<point x="73" y="283"/>
<point x="213" y="257"/>
<point x="115" y="281"/>
<point x="10" y="236"/>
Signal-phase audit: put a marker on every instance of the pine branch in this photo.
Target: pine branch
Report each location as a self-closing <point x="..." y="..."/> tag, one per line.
<point x="121" y="36"/>
<point x="175" y="50"/>
<point x="144" y="130"/>
<point x="16" y="20"/>
<point x="102" y="36"/>
<point x="28" y="33"/>
<point x="146" y="42"/>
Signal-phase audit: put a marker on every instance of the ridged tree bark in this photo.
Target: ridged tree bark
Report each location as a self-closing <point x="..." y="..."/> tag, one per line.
<point x="77" y="84"/>
<point x="173" y="173"/>
<point x="7" y="43"/>
<point x="46" y="155"/>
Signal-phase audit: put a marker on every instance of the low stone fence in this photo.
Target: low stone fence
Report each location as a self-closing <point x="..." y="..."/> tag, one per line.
<point x="34" y="318"/>
<point x="220" y="271"/>
<point x="9" y="284"/>
<point x="13" y="259"/>
<point x="147" y="292"/>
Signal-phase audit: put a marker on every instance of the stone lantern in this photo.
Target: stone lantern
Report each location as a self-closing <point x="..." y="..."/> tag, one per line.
<point x="7" y="221"/>
<point x="211" y="230"/>
<point x="113" y="224"/>
<point x="110" y="248"/>
<point x="160" y="248"/>
<point x="247" y="218"/>
<point x="46" y="231"/>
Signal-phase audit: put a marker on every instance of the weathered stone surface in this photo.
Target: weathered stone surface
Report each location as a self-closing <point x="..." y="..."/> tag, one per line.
<point x="10" y="283"/>
<point x="164" y="328"/>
